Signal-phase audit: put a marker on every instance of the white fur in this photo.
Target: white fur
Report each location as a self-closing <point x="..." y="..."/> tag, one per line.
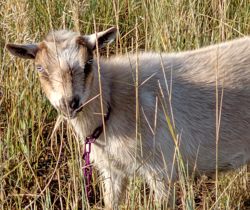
<point x="193" y="105"/>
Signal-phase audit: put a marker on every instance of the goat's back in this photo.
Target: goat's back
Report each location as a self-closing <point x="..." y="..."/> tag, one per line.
<point x="192" y="78"/>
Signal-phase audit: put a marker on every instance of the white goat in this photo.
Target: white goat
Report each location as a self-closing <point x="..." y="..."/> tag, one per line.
<point x="138" y="136"/>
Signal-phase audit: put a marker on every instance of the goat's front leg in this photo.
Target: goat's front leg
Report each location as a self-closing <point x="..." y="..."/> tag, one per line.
<point x="115" y="183"/>
<point x="161" y="184"/>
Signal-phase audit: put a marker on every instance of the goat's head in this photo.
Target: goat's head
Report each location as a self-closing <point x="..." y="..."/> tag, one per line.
<point x="64" y="63"/>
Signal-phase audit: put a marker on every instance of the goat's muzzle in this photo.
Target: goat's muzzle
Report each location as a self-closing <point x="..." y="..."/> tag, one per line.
<point x="70" y="107"/>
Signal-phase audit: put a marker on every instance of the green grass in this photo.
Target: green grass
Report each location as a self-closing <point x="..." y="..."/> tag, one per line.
<point x="40" y="171"/>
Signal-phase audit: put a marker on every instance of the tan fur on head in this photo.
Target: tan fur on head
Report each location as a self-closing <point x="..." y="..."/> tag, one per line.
<point x="69" y="77"/>
<point x="64" y="61"/>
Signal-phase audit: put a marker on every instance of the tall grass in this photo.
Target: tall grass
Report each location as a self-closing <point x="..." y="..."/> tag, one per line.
<point x="39" y="170"/>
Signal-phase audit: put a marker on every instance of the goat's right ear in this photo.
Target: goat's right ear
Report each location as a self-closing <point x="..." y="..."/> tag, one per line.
<point x="27" y="51"/>
<point x="101" y="38"/>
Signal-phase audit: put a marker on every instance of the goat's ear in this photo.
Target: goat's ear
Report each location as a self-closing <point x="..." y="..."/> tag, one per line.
<point x="103" y="38"/>
<point x="27" y="51"/>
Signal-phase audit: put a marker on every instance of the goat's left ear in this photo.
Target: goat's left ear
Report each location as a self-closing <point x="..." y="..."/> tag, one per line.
<point x="103" y="38"/>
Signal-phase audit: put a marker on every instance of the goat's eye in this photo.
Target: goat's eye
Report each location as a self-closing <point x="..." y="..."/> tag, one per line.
<point x="39" y="68"/>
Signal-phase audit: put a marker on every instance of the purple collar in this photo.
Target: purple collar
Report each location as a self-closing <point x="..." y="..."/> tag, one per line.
<point x="86" y="155"/>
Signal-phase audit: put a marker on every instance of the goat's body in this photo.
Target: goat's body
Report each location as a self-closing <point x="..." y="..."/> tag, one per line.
<point x="201" y="95"/>
<point x="193" y="101"/>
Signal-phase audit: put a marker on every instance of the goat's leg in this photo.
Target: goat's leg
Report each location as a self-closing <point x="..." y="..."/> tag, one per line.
<point x="115" y="184"/>
<point x="161" y="185"/>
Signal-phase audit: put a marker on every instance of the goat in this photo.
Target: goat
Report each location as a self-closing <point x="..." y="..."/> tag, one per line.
<point x="153" y="97"/>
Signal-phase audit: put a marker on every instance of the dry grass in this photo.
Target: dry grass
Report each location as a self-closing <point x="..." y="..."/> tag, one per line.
<point x="41" y="172"/>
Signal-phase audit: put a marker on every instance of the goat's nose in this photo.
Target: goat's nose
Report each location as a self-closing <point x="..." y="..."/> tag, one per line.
<point x="74" y="103"/>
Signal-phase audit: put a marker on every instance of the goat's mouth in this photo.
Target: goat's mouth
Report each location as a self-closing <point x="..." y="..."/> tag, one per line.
<point x="71" y="114"/>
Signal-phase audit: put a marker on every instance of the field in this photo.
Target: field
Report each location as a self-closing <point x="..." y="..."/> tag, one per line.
<point x="40" y="167"/>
